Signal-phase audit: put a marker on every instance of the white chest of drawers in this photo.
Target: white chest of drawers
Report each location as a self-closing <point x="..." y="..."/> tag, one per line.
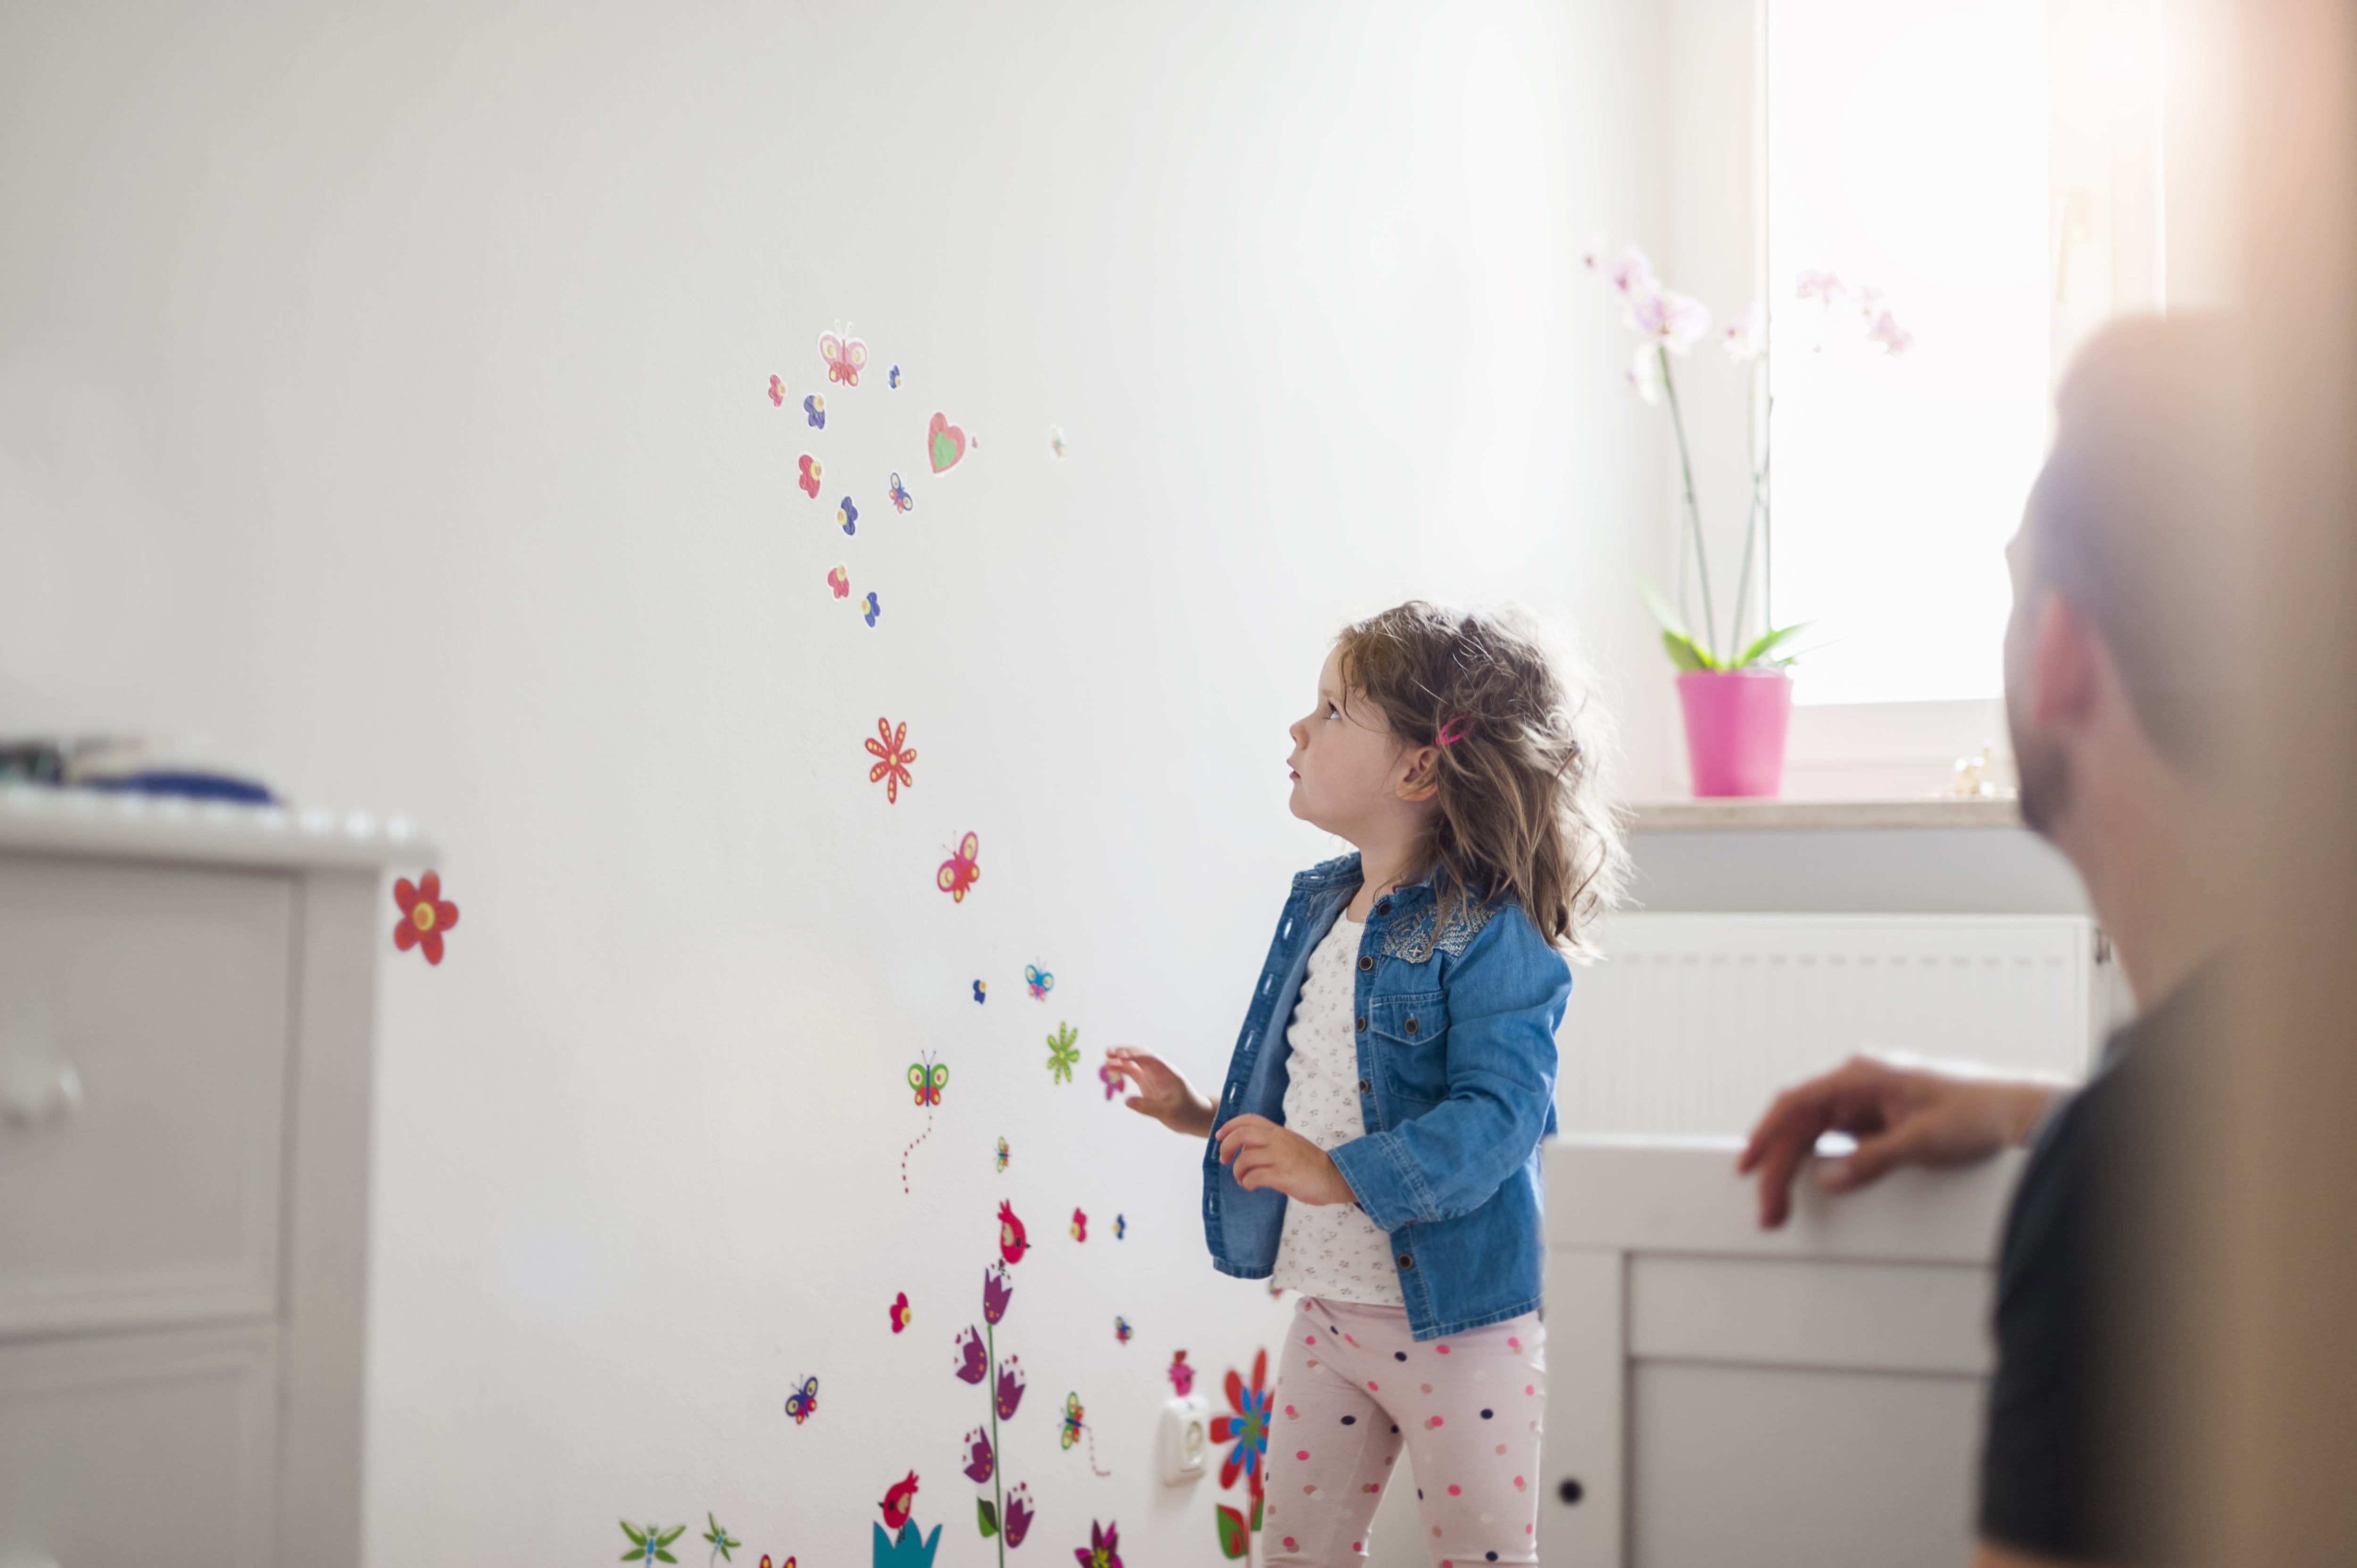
<point x="188" y="1003"/>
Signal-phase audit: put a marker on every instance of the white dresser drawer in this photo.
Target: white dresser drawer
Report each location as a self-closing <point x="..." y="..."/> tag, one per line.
<point x="143" y="1065"/>
<point x="123" y="1451"/>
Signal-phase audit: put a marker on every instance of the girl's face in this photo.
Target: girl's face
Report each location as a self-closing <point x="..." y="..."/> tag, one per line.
<point x="1349" y="771"/>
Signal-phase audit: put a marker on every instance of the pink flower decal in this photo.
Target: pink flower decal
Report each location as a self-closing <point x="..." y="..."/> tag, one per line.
<point x="900" y="1311"/>
<point x="812" y="470"/>
<point x="893" y="754"/>
<point x="425" y="915"/>
<point x="776" y="392"/>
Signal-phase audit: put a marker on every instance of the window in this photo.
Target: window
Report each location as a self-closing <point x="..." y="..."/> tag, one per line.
<point x="1907" y="149"/>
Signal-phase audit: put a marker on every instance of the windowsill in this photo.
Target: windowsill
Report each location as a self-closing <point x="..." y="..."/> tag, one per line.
<point x="1687" y="816"/>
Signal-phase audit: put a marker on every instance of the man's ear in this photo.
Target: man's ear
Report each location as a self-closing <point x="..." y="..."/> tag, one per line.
<point x="2062" y="665"/>
<point x="1416" y="781"/>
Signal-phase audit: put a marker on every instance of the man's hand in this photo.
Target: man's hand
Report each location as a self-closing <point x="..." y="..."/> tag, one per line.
<point x="1900" y="1116"/>
<point x="1163" y="1092"/>
<point x="1266" y="1155"/>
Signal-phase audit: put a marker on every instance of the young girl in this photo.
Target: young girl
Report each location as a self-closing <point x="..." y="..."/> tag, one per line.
<point x="1380" y="1156"/>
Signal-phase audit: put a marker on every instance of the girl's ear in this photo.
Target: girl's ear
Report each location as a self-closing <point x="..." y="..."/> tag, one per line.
<point x="1418" y="780"/>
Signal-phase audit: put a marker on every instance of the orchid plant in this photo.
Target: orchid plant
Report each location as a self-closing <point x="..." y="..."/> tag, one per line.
<point x="1669" y="323"/>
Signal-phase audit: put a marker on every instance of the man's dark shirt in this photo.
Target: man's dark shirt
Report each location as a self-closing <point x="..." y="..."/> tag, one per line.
<point x="2065" y="1469"/>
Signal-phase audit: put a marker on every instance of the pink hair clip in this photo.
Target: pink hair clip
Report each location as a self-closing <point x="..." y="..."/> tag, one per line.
<point x="1454" y="729"/>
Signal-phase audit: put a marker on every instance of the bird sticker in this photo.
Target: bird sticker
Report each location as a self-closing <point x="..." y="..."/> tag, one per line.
<point x="963" y="869"/>
<point x="802" y="1403"/>
<point x="1013" y="1242"/>
<point x="846" y="357"/>
<point x="898" y="1498"/>
<point x="1181" y="1375"/>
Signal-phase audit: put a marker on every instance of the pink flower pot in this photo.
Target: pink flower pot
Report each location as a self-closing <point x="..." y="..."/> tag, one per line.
<point x="1735" y="729"/>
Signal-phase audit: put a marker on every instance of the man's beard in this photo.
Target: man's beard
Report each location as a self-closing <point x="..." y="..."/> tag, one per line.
<point x="2045" y="777"/>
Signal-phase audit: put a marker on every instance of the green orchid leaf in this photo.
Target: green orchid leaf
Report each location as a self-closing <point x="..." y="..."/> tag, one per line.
<point x="674" y="1533"/>
<point x="986" y="1516"/>
<point x="1670" y="619"/>
<point x="662" y="1556"/>
<point x="1768" y="641"/>
<point x="1684" y="654"/>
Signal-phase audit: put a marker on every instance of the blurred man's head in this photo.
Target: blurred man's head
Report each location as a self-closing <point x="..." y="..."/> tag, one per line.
<point x="2125" y="573"/>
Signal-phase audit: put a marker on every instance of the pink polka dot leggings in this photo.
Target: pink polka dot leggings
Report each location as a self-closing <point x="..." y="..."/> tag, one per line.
<point x="1354" y="1388"/>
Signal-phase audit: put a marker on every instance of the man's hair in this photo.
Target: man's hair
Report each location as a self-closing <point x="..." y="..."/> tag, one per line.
<point x="2140" y="517"/>
<point x="1519" y="746"/>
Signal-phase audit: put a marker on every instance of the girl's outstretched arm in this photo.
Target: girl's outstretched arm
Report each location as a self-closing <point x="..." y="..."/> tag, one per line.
<point x="1163" y="1091"/>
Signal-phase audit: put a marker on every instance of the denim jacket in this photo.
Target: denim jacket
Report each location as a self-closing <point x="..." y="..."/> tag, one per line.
<point x="1456" y="1035"/>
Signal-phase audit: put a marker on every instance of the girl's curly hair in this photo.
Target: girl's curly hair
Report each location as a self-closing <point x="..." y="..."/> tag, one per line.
<point x="1519" y="746"/>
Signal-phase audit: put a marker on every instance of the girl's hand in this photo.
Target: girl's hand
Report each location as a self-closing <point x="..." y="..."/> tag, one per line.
<point x="1163" y="1092"/>
<point x="1266" y="1155"/>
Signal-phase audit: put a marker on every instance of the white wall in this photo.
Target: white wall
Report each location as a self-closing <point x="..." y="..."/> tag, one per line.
<point x="382" y="408"/>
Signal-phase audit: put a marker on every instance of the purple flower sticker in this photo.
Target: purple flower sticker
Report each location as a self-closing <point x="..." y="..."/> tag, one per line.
<point x="982" y="1461"/>
<point x="995" y="1293"/>
<point x="1019" y="1514"/>
<point x="814" y="409"/>
<point x="872" y="611"/>
<point x="971" y="1366"/>
<point x="1010" y="1387"/>
<point x="1102" y="1549"/>
<point x="847" y="515"/>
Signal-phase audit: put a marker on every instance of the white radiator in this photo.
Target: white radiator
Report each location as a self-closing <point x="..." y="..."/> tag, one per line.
<point x="1694" y="1022"/>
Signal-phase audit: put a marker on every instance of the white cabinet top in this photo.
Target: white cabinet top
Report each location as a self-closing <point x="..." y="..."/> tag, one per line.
<point x="35" y="819"/>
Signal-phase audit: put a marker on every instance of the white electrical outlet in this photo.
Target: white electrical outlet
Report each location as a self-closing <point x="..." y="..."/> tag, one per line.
<point x="1182" y="1444"/>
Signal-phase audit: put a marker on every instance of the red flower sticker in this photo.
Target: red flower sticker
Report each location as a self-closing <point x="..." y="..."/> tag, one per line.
<point x="425" y="915"/>
<point x="891" y="748"/>
<point x="811" y="470"/>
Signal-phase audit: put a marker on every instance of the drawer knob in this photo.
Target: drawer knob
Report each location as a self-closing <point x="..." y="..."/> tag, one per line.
<point x="33" y="1095"/>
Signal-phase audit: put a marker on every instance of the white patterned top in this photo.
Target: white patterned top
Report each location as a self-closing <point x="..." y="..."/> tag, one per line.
<point x="1332" y="1251"/>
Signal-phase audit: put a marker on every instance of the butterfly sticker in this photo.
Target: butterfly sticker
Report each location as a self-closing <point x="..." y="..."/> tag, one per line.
<point x="1004" y="1154"/>
<point x="1039" y="980"/>
<point x="928" y="1077"/>
<point x="1121" y="1329"/>
<point x="895" y="378"/>
<point x="812" y="470"/>
<point x="814" y="410"/>
<point x="1056" y="442"/>
<point x="846" y="357"/>
<point x="802" y="1403"/>
<point x="848" y="515"/>
<point x="981" y="991"/>
<point x="872" y="611"/>
<point x="963" y="869"/>
<point x="901" y="500"/>
<point x="776" y="392"/>
<point x="840" y="581"/>
<point x="1073" y="1412"/>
